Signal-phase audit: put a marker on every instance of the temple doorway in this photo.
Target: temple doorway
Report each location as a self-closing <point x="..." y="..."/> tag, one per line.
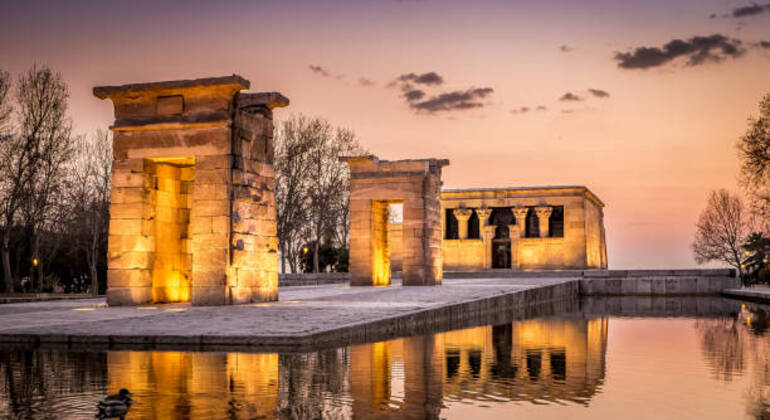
<point x="168" y="194"/>
<point x="501" y="253"/>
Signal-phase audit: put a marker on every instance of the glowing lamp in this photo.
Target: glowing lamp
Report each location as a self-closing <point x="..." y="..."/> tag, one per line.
<point x="34" y="262"/>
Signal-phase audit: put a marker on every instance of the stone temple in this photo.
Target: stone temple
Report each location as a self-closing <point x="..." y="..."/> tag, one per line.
<point x="192" y="214"/>
<point x="523" y="228"/>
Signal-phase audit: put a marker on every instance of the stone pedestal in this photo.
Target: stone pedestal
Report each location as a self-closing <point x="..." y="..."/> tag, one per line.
<point x="193" y="214"/>
<point x="373" y="185"/>
<point x="543" y="215"/>
<point x="462" y="216"/>
<point x="520" y="213"/>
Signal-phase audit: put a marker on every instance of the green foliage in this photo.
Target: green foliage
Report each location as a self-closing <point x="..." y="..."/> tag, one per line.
<point x="756" y="251"/>
<point x="330" y="258"/>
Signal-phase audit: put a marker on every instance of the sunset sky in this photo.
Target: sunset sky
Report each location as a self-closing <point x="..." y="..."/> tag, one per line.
<point x="513" y="93"/>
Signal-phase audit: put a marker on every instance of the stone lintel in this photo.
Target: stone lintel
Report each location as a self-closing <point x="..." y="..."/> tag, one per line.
<point x="235" y="81"/>
<point x="267" y="100"/>
<point x="369" y="165"/>
<point x="173" y="104"/>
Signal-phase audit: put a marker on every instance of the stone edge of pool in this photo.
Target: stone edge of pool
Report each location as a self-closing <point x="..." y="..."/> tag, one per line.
<point x="537" y="300"/>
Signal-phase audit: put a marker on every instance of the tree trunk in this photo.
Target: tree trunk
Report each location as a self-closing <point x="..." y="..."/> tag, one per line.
<point x="6" y="251"/>
<point x="315" y="256"/>
<point x="283" y="258"/>
<point x="94" y="278"/>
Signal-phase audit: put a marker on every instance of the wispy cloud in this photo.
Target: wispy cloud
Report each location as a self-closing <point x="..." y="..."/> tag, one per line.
<point x="454" y="100"/>
<point x="750" y="10"/>
<point x="565" y="48"/>
<point x="430" y="78"/>
<point x="319" y="70"/>
<point x="697" y="50"/>
<point x="570" y="97"/>
<point x="520" y="110"/>
<point x="363" y="81"/>
<point x="599" y="93"/>
<point x="419" y="91"/>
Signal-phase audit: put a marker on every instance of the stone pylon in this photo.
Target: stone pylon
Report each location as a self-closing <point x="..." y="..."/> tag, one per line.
<point x="373" y="185"/>
<point x="192" y="214"/>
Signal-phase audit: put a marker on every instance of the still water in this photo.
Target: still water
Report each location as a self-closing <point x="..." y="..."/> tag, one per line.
<point x="561" y="367"/>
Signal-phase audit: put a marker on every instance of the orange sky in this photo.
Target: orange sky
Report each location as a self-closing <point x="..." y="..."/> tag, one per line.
<point x="651" y="151"/>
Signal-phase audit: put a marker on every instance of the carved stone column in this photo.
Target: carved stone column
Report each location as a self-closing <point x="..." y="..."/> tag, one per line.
<point x="462" y="216"/>
<point x="543" y="214"/>
<point x="514" y="235"/>
<point x="520" y="213"/>
<point x="483" y="215"/>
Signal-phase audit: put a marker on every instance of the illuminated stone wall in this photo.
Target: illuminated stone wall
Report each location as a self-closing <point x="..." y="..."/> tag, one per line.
<point x="171" y="188"/>
<point x="396" y="245"/>
<point x="373" y="185"/>
<point x="193" y="214"/>
<point x="582" y="244"/>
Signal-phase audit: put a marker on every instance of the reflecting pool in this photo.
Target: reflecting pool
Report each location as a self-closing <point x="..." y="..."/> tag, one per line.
<point x="565" y="366"/>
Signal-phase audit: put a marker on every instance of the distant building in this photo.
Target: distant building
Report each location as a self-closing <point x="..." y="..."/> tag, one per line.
<point x="554" y="227"/>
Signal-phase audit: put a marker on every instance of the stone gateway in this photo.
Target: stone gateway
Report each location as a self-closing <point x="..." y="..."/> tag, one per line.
<point x="192" y="214"/>
<point x="374" y="186"/>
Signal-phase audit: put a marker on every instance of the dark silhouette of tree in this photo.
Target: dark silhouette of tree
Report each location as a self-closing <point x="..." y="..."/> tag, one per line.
<point x="721" y="231"/>
<point x="754" y="152"/>
<point x="311" y="187"/>
<point x="89" y="199"/>
<point x="33" y="161"/>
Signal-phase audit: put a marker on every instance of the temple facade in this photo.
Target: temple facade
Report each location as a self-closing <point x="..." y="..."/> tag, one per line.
<point x="529" y="228"/>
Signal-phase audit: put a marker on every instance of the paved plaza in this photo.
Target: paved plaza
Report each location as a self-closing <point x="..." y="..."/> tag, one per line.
<point x="301" y="313"/>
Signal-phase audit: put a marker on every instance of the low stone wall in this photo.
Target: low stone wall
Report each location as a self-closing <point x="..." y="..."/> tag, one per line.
<point x="658" y="306"/>
<point x="311" y="279"/>
<point x="657" y="282"/>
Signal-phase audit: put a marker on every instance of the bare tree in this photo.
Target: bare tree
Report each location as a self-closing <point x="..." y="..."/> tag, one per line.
<point x="721" y="231"/>
<point x="294" y="140"/>
<point x="42" y="98"/>
<point x="312" y="185"/>
<point x="5" y="105"/>
<point x="754" y="152"/>
<point x="8" y="204"/>
<point x="89" y="198"/>
<point x="329" y="184"/>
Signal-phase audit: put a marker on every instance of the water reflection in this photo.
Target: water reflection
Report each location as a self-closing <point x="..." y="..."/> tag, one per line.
<point x="546" y="361"/>
<point x="736" y="345"/>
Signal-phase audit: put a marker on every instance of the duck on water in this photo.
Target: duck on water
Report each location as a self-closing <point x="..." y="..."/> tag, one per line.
<point x="115" y="406"/>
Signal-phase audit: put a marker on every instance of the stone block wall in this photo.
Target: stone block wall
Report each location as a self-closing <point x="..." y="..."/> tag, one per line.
<point x="374" y="184"/>
<point x="657" y="282"/>
<point x="582" y="245"/>
<point x="395" y="246"/>
<point x="193" y="208"/>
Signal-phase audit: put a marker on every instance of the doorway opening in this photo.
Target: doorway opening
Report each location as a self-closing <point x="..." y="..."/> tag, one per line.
<point x="170" y="198"/>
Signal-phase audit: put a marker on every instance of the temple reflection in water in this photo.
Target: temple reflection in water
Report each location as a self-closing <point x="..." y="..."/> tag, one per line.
<point x="545" y="359"/>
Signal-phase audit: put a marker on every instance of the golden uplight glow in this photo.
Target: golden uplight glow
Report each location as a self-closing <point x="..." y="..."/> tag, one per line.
<point x="172" y="267"/>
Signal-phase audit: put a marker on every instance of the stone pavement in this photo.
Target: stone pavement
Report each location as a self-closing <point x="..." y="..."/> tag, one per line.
<point x="303" y="317"/>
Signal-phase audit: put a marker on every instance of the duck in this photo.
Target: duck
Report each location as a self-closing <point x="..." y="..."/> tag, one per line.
<point x="115" y="405"/>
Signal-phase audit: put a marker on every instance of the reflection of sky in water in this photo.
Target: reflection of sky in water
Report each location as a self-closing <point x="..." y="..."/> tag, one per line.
<point x="717" y="367"/>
